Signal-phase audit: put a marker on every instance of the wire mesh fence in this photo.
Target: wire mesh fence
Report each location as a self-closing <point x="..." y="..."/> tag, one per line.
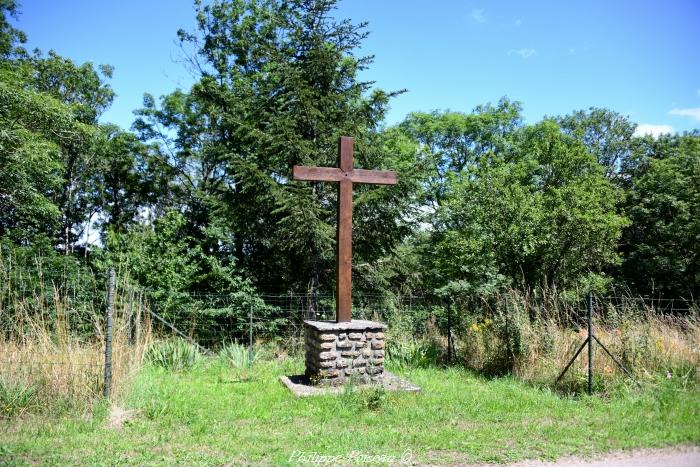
<point x="506" y="333"/>
<point x="53" y="339"/>
<point x="211" y="320"/>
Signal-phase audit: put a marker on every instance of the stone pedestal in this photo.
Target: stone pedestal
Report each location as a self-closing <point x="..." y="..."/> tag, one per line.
<point x="338" y="352"/>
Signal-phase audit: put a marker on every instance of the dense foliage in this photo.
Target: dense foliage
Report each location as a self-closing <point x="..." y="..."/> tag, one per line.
<point x="198" y="198"/>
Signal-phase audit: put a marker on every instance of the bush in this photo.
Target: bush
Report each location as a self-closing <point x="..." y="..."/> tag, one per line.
<point x="534" y="337"/>
<point x="237" y="355"/>
<point x="174" y="354"/>
<point x="412" y="353"/>
<point x="15" y="399"/>
<point x="373" y="398"/>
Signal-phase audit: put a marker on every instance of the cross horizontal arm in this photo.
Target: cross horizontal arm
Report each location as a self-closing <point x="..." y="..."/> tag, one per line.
<point x="333" y="174"/>
<point x="375" y="177"/>
<point x="317" y="174"/>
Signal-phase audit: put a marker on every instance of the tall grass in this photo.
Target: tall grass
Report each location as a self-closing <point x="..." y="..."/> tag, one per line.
<point x="175" y="354"/>
<point x="534" y="339"/>
<point x="52" y="339"/>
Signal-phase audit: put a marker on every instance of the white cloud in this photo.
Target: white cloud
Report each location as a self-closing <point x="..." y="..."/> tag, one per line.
<point x="690" y="113"/>
<point x="698" y="92"/>
<point x="479" y="15"/>
<point x="518" y="22"/>
<point x="524" y="53"/>
<point x="653" y="130"/>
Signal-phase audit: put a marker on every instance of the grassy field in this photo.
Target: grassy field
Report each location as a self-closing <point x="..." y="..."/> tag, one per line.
<point x="213" y="414"/>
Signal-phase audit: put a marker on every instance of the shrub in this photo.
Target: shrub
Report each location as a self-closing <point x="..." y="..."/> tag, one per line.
<point x="412" y="352"/>
<point x="15" y="399"/>
<point x="173" y="354"/>
<point x="534" y="337"/>
<point x="237" y="355"/>
<point x="373" y="398"/>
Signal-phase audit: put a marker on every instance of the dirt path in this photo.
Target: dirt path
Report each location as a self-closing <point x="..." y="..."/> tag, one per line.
<point x="684" y="456"/>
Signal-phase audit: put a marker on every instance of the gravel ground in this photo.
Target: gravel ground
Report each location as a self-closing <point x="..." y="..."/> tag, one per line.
<point x="683" y="456"/>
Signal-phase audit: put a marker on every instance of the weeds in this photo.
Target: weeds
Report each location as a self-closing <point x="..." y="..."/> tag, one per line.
<point x="373" y="398"/>
<point x="364" y="397"/>
<point x="15" y="399"/>
<point x="534" y="340"/>
<point x="52" y="341"/>
<point x="411" y="352"/>
<point x="237" y="355"/>
<point x="173" y="354"/>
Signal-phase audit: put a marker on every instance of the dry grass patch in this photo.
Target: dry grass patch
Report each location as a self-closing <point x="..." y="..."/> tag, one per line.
<point x="52" y="352"/>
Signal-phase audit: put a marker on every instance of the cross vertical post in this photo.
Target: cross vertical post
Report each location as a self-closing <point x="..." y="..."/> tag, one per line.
<point x="345" y="175"/>
<point x="343" y="293"/>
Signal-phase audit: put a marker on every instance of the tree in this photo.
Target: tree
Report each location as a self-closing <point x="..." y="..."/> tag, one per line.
<point x="10" y="37"/>
<point x="541" y="213"/>
<point x="661" y="243"/>
<point x="124" y="183"/>
<point x="37" y="129"/>
<point x="49" y="108"/>
<point x="80" y="87"/>
<point x="30" y="167"/>
<point x="278" y="87"/>
<point x="451" y="143"/>
<point x="605" y="133"/>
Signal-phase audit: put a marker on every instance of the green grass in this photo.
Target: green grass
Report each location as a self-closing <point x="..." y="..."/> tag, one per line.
<point x="210" y="415"/>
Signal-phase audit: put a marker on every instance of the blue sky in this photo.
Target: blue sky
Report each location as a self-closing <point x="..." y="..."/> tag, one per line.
<point x="640" y="58"/>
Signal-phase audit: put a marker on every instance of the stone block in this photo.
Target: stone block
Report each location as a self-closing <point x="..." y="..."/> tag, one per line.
<point x="359" y="374"/>
<point x="328" y="355"/>
<point x="336" y="351"/>
<point x="328" y="373"/>
<point x="377" y="345"/>
<point x="341" y="363"/>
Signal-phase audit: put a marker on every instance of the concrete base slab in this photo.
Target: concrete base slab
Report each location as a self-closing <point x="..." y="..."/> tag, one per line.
<point x="301" y="386"/>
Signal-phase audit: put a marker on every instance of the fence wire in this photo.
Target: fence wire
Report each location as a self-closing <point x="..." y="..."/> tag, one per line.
<point x="52" y="333"/>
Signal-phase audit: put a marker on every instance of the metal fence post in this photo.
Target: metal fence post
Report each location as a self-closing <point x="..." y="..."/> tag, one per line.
<point x="130" y="319"/>
<point x="449" y="330"/>
<point x="590" y="343"/>
<point x="250" y="333"/>
<point x="108" y="332"/>
<point x="137" y="324"/>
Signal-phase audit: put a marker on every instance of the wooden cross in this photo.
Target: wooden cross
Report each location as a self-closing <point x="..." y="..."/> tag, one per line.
<point x="346" y="175"/>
